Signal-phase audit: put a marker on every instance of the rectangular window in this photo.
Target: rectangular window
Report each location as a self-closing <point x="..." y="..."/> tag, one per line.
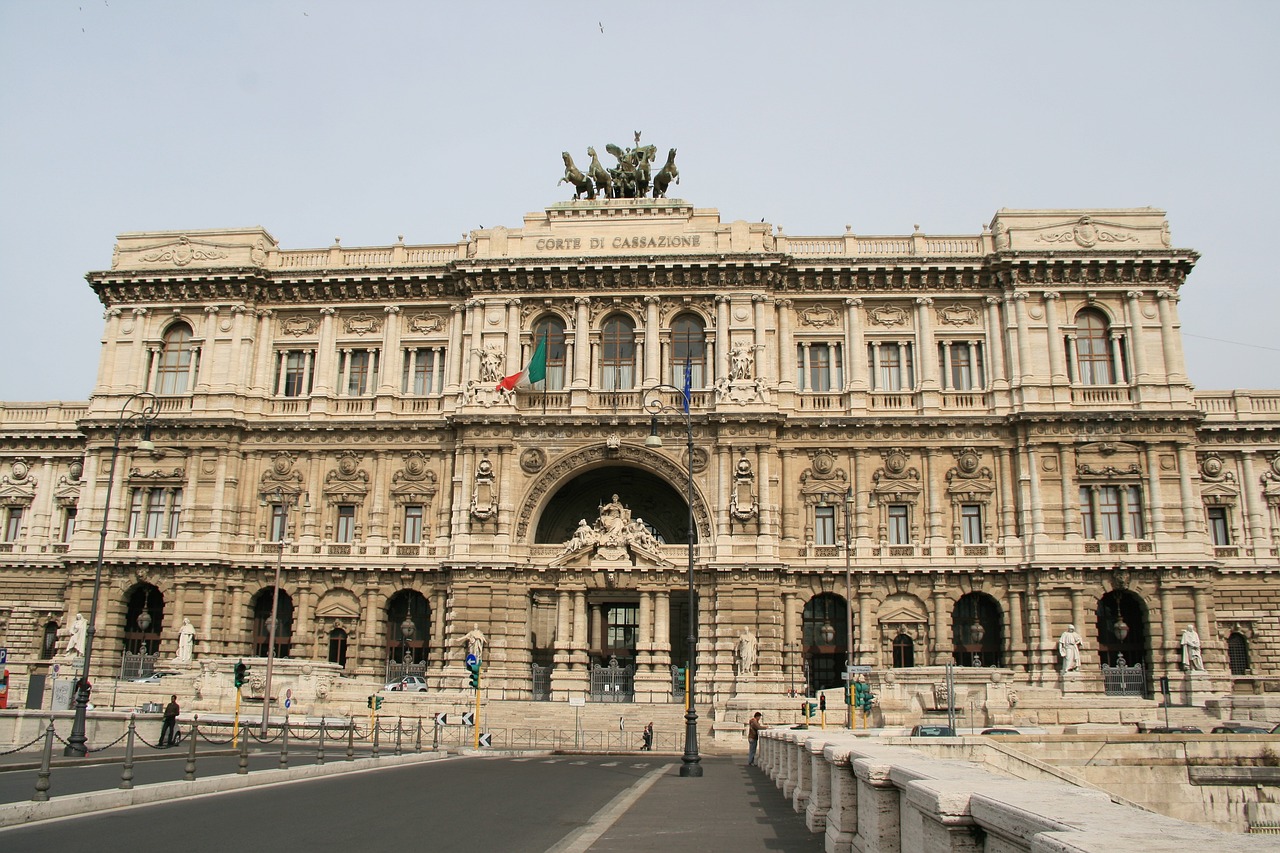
<point x="135" y="513"/>
<point x="155" y="513"/>
<point x="361" y="368"/>
<point x="1219" y="530"/>
<point x="13" y="523"/>
<point x="623" y="626"/>
<point x="819" y="367"/>
<point x="824" y="528"/>
<point x="68" y="523"/>
<point x="1086" y="513"/>
<point x="1133" y="505"/>
<point x="346" y="522"/>
<point x="899" y="528"/>
<point x="413" y="523"/>
<point x="971" y="524"/>
<point x="294" y="379"/>
<point x="1109" y="512"/>
<point x="960" y="366"/>
<point x="423" y="372"/>
<point x="892" y="367"/>
<point x="175" y="511"/>
<point x="278" y="517"/>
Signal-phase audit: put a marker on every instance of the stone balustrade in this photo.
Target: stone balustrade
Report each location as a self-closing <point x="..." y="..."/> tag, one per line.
<point x="874" y="797"/>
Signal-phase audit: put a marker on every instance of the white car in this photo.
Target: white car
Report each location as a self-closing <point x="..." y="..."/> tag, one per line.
<point x="154" y="678"/>
<point x="408" y="684"/>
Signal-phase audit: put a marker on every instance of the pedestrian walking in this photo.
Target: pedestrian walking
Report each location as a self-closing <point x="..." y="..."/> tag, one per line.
<point x="648" y="738"/>
<point x="170" y="726"/>
<point x="754" y="725"/>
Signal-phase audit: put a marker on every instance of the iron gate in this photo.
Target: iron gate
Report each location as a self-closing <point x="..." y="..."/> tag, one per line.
<point x="136" y="666"/>
<point x="541" y="683"/>
<point x="613" y="683"/>
<point x="1124" y="680"/>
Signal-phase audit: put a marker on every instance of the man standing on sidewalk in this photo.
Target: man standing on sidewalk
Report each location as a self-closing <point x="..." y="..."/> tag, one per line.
<point x="754" y="725"/>
<point x="170" y="726"/>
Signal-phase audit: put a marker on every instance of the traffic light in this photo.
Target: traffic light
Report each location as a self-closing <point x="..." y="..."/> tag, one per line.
<point x="822" y="702"/>
<point x="374" y="703"/>
<point x="240" y="671"/>
<point x="862" y="696"/>
<point x="473" y="667"/>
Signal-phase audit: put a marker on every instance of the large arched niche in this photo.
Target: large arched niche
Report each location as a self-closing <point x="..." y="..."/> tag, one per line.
<point x="652" y="486"/>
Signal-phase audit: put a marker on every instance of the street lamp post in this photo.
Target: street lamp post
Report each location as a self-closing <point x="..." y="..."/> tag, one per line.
<point x="76" y="742"/>
<point x="285" y="499"/>
<point x="848" y="601"/>
<point x="691" y="765"/>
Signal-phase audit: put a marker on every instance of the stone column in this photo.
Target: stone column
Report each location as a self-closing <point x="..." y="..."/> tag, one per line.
<point x="786" y="347"/>
<point x="391" y="364"/>
<point x="857" y="356"/>
<point x="1057" y="359"/>
<point x="1134" y="307"/>
<point x="1249" y="486"/>
<point x="1033" y="484"/>
<point x="722" y="336"/>
<point x="1175" y="368"/>
<point x="941" y="627"/>
<point x="933" y="509"/>
<point x="139" y="374"/>
<point x="652" y="350"/>
<point x="758" y="335"/>
<point x="1022" y="353"/>
<point x="662" y="631"/>
<point x="928" y="360"/>
<point x="239" y="372"/>
<point x="1155" y="502"/>
<point x="995" y="344"/>
<point x="1192" y="518"/>
<point x="764" y="488"/>
<point x="644" y="645"/>
<point x="205" y="644"/>
<point x="325" y="354"/>
<point x="1170" y="654"/>
<point x="582" y="342"/>
<point x="1017" y="641"/>
<point x="787" y="507"/>
<point x="456" y="355"/>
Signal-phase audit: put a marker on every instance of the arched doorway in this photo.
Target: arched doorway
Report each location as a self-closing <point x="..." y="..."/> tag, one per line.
<point x="825" y="634"/>
<point x="977" y="630"/>
<point x="408" y="627"/>
<point x="663" y="509"/>
<point x="262" y="623"/>
<point x="1122" y="629"/>
<point x="143" y="619"/>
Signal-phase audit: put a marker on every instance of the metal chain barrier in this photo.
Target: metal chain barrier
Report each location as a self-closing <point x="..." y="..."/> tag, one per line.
<point x="29" y="743"/>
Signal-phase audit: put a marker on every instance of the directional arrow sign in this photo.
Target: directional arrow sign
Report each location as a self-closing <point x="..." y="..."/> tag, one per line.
<point x="442" y="719"/>
<point x="472" y="660"/>
<point x="468" y="718"/>
<point x="486" y="739"/>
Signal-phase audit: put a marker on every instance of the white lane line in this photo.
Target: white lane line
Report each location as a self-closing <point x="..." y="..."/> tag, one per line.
<point x="581" y="839"/>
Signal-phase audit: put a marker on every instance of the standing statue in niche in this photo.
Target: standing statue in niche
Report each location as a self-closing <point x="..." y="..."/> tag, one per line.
<point x="186" y="642"/>
<point x="1070" y="644"/>
<point x="746" y="652"/>
<point x="475" y="642"/>
<point x="75" y="634"/>
<point x="742" y="359"/>
<point x="1192" y="661"/>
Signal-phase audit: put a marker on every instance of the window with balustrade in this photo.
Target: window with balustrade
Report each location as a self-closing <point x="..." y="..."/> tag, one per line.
<point x="618" y="354"/>
<point x="345" y="529"/>
<point x="13" y="522"/>
<point x="819" y="367"/>
<point x="892" y="365"/>
<point x="174" y="362"/>
<point x="824" y="525"/>
<point x="688" y="346"/>
<point x="971" y="524"/>
<point x="412" y="524"/>
<point x="357" y="372"/>
<point x="960" y="365"/>
<point x="1219" y="525"/>
<point x="294" y="372"/>
<point x="1094" y="352"/>
<point x="899" y="526"/>
<point x="551" y="329"/>
<point x="423" y="371"/>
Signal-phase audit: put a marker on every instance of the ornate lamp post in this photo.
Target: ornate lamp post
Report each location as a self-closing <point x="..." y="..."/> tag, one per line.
<point x="77" y="739"/>
<point x="691" y="761"/>
<point x="406" y="637"/>
<point x="285" y="500"/>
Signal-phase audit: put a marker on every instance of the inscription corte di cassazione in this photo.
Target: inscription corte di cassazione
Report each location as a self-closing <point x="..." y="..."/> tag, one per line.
<point x="639" y="241"/>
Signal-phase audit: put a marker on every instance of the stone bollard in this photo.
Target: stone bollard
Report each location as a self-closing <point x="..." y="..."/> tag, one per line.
<point x="242" y="767"/>
<point x="189" y="772"/>
<point x="351" y="739"/>
<point x="42" y="778"/>
<point x="126" y="773"/>
<point x="320" y="747"/>
<point x="417" y="742"/>
<point x="398" y="728"/>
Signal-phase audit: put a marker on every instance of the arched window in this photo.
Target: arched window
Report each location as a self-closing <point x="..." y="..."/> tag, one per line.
<point x="977" y="630"/>
<point x="408" y="627"/>
<point x="904" y="651"/>
<point x="618" y="354"/>
<point x="144" y="617"/>
<point x="175" y="360"/>
<point x="552" y="330"/>
<point x="338" y="647"/>
<point x="1093" y="349"/>
<point x="689" y="346"/>
<point x="1238" y="653"/>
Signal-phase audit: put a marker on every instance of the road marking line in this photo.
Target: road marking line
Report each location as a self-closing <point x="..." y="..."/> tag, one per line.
<point x="581" y="839"/>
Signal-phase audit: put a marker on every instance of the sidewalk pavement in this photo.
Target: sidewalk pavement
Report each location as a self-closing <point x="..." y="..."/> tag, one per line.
<point x="731" y="807"/>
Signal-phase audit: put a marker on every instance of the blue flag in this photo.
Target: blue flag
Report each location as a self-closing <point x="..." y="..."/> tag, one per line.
<point x="688" y="382"/>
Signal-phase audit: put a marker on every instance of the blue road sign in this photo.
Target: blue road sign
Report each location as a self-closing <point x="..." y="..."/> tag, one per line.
<point x="472" y="660"/>
<point x="4" y="656"/>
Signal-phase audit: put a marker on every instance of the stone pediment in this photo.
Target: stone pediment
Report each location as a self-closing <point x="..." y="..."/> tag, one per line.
<point x="1108" y="459"/>
<point x="902" y="611"/>
<point x="246" y="247"/>
<point x="1113" y="230"/>
<point x="338" y="604"/>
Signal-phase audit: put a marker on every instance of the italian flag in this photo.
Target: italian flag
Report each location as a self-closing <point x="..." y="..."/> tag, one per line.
<point x="534" y="371"/>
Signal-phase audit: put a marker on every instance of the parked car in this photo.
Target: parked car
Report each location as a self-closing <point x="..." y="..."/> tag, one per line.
<point x="1174" y="730"/>
<point x="1239" y="729"/>
<point x="154" y="678"/>
<point x="408" y="684"/>
<point x="1001" y="731"/>
<point x="1275" y="730"/>
<point x="933" y="731"/>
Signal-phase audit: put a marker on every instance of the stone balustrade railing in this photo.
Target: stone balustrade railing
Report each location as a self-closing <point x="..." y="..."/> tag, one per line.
<point x="874" y="797"/>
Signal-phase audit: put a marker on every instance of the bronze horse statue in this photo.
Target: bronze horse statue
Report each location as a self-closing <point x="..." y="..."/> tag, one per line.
<point x="600" y="175"/>
<point x="665" y="176"/>
<point x="573" y="175"/>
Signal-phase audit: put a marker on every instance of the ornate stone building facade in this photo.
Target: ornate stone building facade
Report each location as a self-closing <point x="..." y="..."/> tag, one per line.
<point x="975" y="440"/>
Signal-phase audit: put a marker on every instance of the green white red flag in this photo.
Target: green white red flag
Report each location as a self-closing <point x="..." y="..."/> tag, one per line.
<point x="534" y="371"/>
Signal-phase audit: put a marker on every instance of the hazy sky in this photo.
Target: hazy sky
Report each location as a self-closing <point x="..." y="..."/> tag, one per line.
<point x="372" y="119"/>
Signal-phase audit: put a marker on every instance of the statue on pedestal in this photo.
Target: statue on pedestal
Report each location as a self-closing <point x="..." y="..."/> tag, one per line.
<point x="75" y="635"/>
<point x="1192" y="661"/>
<point x="186" y="642"/>
<point x="746" y="652"/>
<point x="1070" y="645"/>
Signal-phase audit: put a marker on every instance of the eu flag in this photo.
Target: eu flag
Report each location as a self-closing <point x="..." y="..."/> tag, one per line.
<point x="688" y="382"/>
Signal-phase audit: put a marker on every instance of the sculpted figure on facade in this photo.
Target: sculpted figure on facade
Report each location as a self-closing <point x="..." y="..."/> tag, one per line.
<point x="475" y="641"/>
<point x="746" y="650"/>
<point x="1070" y="644"/>
<point x="582" y="185"/>
<point x="742" y="360"/>
<point x="1192" y="660"/>
<point x="614" y="531"/>
<point x="186" y="642"/>
<point x="75" y="636"/>
<point x="666" y="175"/>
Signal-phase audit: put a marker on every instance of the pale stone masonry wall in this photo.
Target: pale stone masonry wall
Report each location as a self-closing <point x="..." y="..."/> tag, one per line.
<point x="968" y="392"/>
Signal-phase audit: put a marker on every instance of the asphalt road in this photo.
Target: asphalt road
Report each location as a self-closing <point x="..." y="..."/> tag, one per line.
<point x="545" y="803"/>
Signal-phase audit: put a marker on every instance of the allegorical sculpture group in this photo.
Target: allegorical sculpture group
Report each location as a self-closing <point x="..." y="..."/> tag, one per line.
<point x="631" y="178"/>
